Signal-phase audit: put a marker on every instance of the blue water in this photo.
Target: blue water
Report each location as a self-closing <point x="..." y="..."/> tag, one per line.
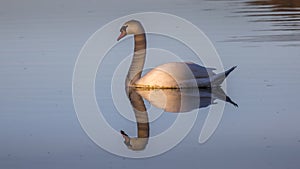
<point x="40" y="42"/>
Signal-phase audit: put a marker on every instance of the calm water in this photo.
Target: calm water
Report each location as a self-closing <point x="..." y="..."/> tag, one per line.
<point x="40" y="42"/>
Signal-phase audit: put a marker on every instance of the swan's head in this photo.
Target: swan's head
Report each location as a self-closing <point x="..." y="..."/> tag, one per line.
<point x="135" y="144"/>
<point x="131" y="27"/>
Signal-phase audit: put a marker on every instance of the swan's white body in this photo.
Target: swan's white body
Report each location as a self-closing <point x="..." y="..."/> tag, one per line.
<point x="169" y="75"/>
<point x="179" y="75"/>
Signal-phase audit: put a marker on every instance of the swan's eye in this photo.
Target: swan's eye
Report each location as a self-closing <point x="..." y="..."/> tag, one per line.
<point x="123" y="28"/>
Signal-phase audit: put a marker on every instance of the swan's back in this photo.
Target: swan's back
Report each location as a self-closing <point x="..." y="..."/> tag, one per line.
<point x="173" y="75"/>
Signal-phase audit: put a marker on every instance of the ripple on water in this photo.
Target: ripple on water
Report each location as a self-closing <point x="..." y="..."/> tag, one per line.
<point x="283" y="16"/>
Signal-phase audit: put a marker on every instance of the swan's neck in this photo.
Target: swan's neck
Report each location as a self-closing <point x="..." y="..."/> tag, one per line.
<point x="138" y="59"/>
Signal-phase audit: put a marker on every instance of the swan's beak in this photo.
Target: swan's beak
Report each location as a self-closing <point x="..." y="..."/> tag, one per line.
<point x="123" y="33"/>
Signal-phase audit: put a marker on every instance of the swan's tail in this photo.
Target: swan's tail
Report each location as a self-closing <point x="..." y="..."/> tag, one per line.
<point x="217" y="79"/>
<point x="229" y="71"/>
<point x="214" y="80"/>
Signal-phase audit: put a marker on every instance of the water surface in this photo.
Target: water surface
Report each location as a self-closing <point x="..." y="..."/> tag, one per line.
<point x="40" y="42"/>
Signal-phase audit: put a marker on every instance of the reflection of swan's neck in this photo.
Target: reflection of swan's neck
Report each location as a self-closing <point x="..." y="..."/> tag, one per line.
<point x="141" y="114"/>
<point x="138" y="59"/>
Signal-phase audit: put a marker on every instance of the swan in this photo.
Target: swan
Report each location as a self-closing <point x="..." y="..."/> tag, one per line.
<point x="169" y="75"/>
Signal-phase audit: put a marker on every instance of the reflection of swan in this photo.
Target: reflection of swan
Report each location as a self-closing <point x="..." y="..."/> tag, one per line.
<point x="169" y="75"/>
<point x="140" y="111"/>
<point x="183" y="100"/>
<point x="170" y="100"/>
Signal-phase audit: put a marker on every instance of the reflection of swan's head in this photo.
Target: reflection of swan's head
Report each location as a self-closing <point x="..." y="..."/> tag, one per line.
<point x="135" y="144"/>
<point x="131" y="27"/>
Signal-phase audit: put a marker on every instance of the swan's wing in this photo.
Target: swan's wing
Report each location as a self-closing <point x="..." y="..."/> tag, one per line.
<point x="200" y="71"/>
